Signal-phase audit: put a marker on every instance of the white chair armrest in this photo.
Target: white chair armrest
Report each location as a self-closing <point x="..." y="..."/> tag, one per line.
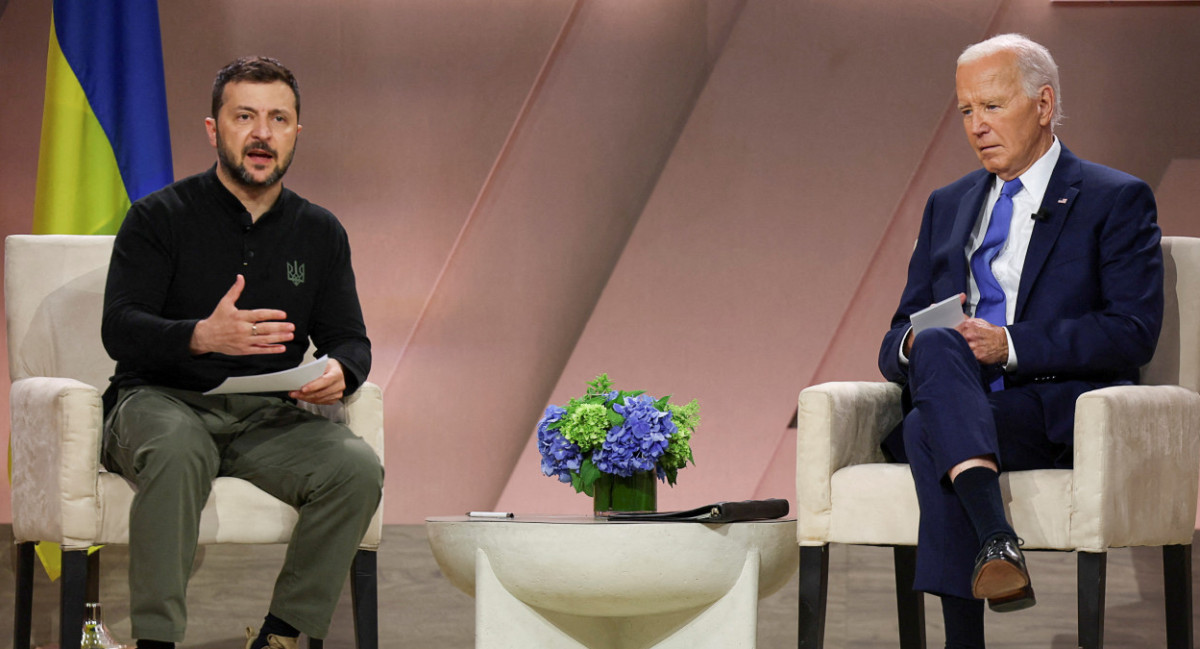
<point x="837" y="425"/>
<point x="1133" y="444"/>
<point x="56" y="431"/>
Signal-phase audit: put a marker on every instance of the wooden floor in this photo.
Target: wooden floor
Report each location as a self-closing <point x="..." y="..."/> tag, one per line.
<point x="419" y="609"/>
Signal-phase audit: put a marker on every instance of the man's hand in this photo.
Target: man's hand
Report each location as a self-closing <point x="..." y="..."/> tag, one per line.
<point x="235" y="332"/>
<point x="324" y="389"/>
<point x="987" y="341"/>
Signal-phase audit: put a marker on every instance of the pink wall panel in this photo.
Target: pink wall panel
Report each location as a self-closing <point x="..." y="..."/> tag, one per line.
<point x="549" y="226"/>
<point x="706" y="198"/>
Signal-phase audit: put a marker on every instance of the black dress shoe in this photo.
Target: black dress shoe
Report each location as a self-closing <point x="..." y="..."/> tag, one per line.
<point x="1000" y="575"/>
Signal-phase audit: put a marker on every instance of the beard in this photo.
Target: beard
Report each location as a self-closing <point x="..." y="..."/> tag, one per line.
<point x="238" y="171"/>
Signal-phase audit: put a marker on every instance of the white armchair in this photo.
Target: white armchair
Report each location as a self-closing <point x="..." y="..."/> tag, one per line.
<point x="1134" y="482"/>
<point x="54" y="289"/>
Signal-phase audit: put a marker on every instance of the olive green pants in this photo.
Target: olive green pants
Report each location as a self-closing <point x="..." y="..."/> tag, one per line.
<point x="173" y="443"/>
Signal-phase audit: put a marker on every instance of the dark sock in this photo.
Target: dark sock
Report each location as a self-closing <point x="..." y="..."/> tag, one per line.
<point x="273" y="626"/>
<point x="154" y="644"/>
<point x="978" y="489"/>
<point x="964" y="622"/>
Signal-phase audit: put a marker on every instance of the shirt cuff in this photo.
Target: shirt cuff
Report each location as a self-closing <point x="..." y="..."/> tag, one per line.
<point x="1011" y="365"/>
<point x="900" y="352"/>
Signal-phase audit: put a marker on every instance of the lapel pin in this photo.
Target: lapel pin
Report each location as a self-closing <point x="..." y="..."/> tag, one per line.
<point x="1062" y="201"/>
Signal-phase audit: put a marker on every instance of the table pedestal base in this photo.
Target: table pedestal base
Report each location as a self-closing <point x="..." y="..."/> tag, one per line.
<point x="504" y="622"/>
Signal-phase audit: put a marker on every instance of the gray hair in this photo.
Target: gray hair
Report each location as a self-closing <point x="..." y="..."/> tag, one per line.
<point x="1034" y="62"/>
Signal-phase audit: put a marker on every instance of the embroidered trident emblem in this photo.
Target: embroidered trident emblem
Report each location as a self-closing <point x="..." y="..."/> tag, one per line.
<point x="295" y="273"/>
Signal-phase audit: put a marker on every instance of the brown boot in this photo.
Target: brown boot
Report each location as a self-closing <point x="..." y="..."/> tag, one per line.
<point x="273" y="641"/>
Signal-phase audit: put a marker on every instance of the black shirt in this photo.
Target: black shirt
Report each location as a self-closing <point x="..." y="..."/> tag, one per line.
<point x="178" y="253"/>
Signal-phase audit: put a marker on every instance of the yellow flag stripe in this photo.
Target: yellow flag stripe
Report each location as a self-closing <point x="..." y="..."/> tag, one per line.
<point x="51" y="556"/>
<point x="79" y="187"/>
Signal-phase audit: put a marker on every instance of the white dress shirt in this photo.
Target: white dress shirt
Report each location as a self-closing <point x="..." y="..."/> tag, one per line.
<point x="1009" y="262"/>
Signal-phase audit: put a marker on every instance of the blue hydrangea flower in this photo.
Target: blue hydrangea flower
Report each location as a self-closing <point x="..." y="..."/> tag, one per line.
<point x="559" y="456"/>
<point x="635" y="445"/>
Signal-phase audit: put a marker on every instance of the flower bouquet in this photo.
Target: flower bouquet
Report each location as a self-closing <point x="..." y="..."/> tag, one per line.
<point x="613" y="445"/>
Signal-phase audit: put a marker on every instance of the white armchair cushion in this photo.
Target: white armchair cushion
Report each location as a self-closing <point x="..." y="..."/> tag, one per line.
<point x="876" y="504"/>
<point x="236" y="512"/>
<point x="1040" y="507"/>
<point x="882" y="494"/>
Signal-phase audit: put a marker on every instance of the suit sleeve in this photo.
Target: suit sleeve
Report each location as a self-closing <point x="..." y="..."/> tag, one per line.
<point x="918" y="294"/>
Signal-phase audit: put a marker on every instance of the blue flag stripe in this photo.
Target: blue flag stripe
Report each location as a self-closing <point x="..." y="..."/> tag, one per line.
<point x="114" y="48"/>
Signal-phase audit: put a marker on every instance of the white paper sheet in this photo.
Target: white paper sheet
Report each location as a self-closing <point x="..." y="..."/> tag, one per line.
<point x="284" y="381"/>
<point x="947" y="313"/>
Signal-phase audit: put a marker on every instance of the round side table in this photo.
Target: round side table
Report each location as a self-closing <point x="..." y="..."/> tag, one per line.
<point x="571" y="582"/>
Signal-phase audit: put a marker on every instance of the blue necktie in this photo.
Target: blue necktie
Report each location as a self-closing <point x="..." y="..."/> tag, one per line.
<point x="991" y="305"/>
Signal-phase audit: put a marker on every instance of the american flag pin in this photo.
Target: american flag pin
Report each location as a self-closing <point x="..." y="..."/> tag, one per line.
<point x="1062" y="201"/>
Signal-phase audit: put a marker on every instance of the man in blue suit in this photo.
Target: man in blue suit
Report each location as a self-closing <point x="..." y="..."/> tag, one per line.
<point x="1057" y="264"/>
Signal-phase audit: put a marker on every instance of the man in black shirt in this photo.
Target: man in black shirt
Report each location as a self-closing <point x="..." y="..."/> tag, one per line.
<point x="222" y="274"/>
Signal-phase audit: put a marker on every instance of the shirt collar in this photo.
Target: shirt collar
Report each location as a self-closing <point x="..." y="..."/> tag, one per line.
<point x="1036" y="178"/>
<point x="232" y="205"/>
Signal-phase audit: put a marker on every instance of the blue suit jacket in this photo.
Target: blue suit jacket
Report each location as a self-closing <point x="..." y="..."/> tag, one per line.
<point x="1090" y="302"/>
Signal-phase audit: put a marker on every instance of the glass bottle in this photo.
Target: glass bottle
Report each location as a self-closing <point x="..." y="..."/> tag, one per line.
<point x="95" y="634"/>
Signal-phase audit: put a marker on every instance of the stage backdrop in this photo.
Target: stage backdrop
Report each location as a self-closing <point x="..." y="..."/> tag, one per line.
<point x="709" y="199"/>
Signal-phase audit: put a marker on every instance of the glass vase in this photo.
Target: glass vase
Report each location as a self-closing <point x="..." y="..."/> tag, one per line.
<point x="637" y="493"/>
<point x="95" y="634"/>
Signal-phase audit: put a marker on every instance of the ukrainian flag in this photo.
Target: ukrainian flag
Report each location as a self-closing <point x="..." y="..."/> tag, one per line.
<point x="105" y="137"/>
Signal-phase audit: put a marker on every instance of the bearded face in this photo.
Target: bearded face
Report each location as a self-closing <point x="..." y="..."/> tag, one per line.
<point x="255" y="133"/>
<point x="261" y="157"/>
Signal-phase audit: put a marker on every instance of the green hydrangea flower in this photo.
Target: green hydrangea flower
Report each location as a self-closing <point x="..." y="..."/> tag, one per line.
<point x="679" y="448"/>
<point x="586" y="424"/>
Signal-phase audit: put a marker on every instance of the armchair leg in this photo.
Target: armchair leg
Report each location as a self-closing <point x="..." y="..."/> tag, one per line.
<point x="364" y="595"/>
<point x="1177" y="586"/>
<point x="23" y="608"/>
<point x="72" y="600"/>
<point x="910" y="604"/>
<point x="1093" y="573"/>
<point x="93" y="577"/>
<point x="814" y="590"/>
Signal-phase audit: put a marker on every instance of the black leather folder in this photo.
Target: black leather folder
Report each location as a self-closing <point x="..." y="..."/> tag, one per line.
<point x="722" y="512"/>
